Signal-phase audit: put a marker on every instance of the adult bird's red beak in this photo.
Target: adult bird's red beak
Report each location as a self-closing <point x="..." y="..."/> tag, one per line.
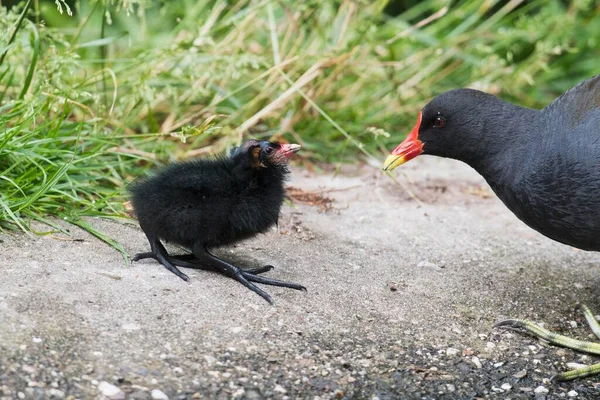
<point x="407" y="150"/>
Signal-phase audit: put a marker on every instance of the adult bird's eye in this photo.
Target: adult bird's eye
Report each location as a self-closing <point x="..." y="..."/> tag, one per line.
<point x="439" y="122"/>
<point x="269" y="150"/>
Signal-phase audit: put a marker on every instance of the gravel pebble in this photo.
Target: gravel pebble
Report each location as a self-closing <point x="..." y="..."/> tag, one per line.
<point x="110" y="391"/>
<point x="280" y="389"/>
<point x="451" y="351"/>
<point x="56" y="394"/>
<point x="521" y="374"/>
<point x="540" y="390"/>
<point x="157" y="394"/>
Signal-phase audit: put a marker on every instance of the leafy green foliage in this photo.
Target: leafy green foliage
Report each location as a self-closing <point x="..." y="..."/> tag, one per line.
<point x="89" y="101"/>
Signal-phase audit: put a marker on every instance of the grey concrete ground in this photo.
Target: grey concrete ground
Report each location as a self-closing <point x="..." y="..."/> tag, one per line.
<point x="401" y="301"/>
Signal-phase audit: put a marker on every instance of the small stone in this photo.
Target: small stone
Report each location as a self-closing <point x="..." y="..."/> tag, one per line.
<point x="506" y="386"/>
<point x="253" y="394"/>
<point x="561" y="352"/>
<point x="280" y="389"/>
<point x="210" y="360"/>
<point x="521" y="374"/>
<point x="572" y="393"/>
<point x="110" y="391"/>
<point x="178" y="371"/>
<point x="56" y="394"/>
<point x="21" y="395"/>
<point x="237" y="329"/>
<point x="540" y="390"/>
<point x="138" y="395"/>
<point x="37" y="340"/>
<point x="28" y="369"/>
<point x="490" y="345"/>
<point x="450" y="387"/>
<point x="158" y="395"/>
<point x="451" y="351"/>
<point x="476" y="361"/>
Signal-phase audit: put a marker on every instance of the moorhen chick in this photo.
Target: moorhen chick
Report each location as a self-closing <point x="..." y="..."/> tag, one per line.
<point x="206" y="203"/>
<point x="543" y="164"/>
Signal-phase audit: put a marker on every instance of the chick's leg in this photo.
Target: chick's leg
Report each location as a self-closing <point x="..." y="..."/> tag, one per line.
<point x="244" y="277"/>
<point x="159" y="253"/>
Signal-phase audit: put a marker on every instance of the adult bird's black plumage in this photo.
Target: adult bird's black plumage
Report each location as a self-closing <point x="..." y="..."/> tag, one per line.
<point x="543" y="164"/>
<point x="202" y="204"/>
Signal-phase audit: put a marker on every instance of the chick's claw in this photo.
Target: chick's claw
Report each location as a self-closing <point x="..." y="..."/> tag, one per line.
<point x="141" y="256"/>
<point x="273" y="282"/>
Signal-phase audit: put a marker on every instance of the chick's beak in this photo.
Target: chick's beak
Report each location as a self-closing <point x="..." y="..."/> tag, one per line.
<point x="289" y="150"/>
<point x="407" y="150"/>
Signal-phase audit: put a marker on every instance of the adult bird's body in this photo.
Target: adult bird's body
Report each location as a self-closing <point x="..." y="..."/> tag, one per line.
<point x="202" y="204"/>
<point x="543" y="164"/>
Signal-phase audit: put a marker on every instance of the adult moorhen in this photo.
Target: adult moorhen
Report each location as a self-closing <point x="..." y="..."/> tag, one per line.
<point x="543" y="164"/>
<point x="202" y="204"/>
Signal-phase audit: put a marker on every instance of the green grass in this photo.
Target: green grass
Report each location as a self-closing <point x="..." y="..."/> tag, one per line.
<point x="89" y="101"/>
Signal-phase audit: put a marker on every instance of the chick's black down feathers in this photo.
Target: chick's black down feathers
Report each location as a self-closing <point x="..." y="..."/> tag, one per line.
<point x="213" y="202"/>
<point x="202" y="204"/>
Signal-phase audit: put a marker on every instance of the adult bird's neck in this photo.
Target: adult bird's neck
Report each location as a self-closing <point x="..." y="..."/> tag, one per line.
<point x="505" y="143"/>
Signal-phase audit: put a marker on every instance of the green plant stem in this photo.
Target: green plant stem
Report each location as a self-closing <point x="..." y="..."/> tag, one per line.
<point x="17" y="26"/>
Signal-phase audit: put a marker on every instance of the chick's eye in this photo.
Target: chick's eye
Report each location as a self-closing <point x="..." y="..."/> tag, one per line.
<point x="268" y="150"/>
<point x="439" y="122"/>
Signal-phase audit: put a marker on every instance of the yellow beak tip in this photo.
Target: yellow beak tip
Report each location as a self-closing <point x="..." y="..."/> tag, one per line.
<point x="393" y="161"/>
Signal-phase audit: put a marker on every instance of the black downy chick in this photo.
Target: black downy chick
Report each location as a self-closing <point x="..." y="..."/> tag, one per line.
<point x="202" y="204"/>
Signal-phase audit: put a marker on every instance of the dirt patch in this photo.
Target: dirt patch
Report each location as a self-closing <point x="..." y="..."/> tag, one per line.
<point x="309" y="197"/>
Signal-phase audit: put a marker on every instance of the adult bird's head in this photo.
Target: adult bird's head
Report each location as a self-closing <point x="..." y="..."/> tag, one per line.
<point x="264" y="154"/>
<point x="455" y="124"/>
